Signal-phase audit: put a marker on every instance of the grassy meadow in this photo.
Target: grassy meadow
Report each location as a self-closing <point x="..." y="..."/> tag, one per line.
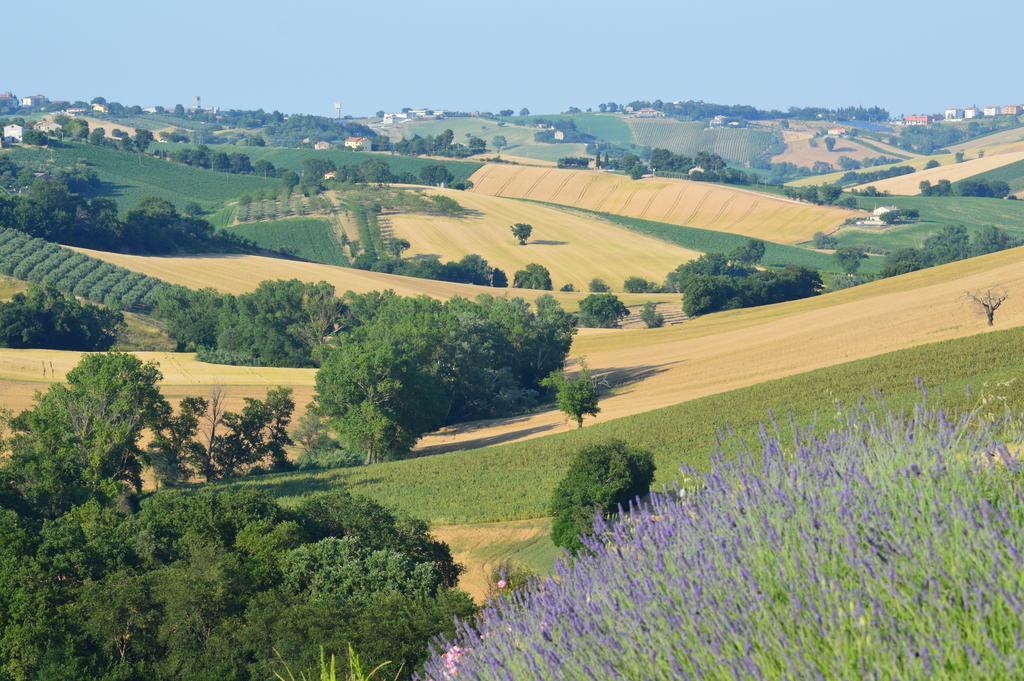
<point x="741" y="145"/>
<point x="128" y="178"/>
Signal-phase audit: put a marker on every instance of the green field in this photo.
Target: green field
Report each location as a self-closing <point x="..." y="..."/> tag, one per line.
<point x="742" y="145"/>
<point x="483" y="128"/>
<point x="710" y="241"/>
<point x="291" y="159"/>
<point x="127" y="178"/>
<point x="936" y="212"/>
<point x="307" y="238"/>
<point x="515" y="480"/>
<point x="608" y="127"/>
<point x="1012" y="174"/>
<point x="547" y="152"/>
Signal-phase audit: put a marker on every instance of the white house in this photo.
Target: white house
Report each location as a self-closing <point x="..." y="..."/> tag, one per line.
<point x="322" y="146"/>
<point x="971" y="112"/>
<point x="13" y="133"/>
<point x="358" y="143"/>
<point x="100" y="108"/>
<point x="836" y="132"/>
<point x="991" y="111"/>
<point x="954" y="114"/>
<point x="648" y="112"/>
<point x="395" y="118"/>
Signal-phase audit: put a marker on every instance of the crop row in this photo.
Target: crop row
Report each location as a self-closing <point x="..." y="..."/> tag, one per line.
<point x="40" y="261"/>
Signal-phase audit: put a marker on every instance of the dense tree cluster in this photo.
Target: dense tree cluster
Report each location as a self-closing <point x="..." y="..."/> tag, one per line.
<point x="443" y="144"/>
<point x="185" y="584"/>
<point x="704" y="166"/>
<point x="406" y="366"/>
<point x="927" y="139"/>
<point x="995" y="189"/>
<point x="821" y="194"/>
<point x="948" y="245"/>
<point x="875" y="175"/>
<point x="45" y="318"/>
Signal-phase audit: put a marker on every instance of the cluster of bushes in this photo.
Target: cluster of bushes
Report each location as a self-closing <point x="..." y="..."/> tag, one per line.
<point x="996" y="189"/>
<point x="927" y="139"/>
<point x="443" y="144"/>
<point x="821" y="195"/>
<point x="469" y="269"/>
<point x="574" y="162"/>
<point x="51" y="211"/>
<point x="876" y="175"/>
<point x="177" y="584"/>
<point x="705" y="167"/>
<point x="847" y="163"/>
<point x="77" y="177"/>
<point x="949" y="245"/>
<point x="39" y="261"/>
<point x="46" y="318"/>
<point x="717" y="281"/>
<point x="234" y="162"/>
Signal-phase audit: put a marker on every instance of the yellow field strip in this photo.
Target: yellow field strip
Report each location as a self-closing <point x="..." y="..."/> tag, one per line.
<point x="910" y="185"/>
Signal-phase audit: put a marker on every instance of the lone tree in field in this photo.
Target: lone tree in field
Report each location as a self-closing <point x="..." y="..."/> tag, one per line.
<point x="988" y="301"/>
<point x="849" y="257"/>
<point x="600" y="479"/>
<point x="499" y="142"/>
<point x="576" y="397"/>
<point x="522" y="231"/>
<point x="830" y="143"/>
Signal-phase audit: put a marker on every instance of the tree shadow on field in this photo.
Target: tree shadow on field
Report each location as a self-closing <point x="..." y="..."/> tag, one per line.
<point x="485" y="440"/>
<point x="613" y="379"/>
<point x="547" y="242"/>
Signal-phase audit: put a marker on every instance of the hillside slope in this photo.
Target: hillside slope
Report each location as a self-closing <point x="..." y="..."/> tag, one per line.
<point x="573" y="246"/>
<point x="679" y="202"/>
<point x="909" y="185"/>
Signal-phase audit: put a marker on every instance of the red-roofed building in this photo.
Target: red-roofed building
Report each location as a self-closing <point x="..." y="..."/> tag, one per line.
<point x="917" y="120"/>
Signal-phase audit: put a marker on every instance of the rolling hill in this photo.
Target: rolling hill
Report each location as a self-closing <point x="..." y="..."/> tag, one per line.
<point x="682" y="202"/>
<point x="909" y="185"/>
<point x="573" y="246"/>
<point x="739" y="145"/>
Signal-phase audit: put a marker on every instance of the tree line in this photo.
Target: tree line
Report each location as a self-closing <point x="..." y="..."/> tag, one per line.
<point x="948" y="245"/>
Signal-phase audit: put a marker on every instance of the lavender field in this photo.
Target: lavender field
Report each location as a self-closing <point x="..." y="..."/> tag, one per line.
<point x="891" y="547"/>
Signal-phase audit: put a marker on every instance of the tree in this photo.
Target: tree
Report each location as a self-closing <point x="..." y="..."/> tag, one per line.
<point x="522" y="231"/>
<point x="174" y="447"/>
<point x="598" y="286"/>
<point x="143" y="138"/>
<point x="257" y="434"/>
<point x="97" y="136"/>
<point x="830" y="143"/>
<point x="849" y="258"/>
<point x="988" y="301"/>
<point x="602" y="311"/>
<point x="498" y="278"/>
<point x="436" y="175"/>
<point x="524" y="111"/>
<point x="46" y="318"/>
<point x="499" y="142"/>
<point x="398" y="246"/>
<point x="638" y="285"/>
<point x="575" y="397"/>
<point x="600" y="479"/>
<point x="750" y="253"/>
<point x="650" y="316"/>
<point x="532" y="276"/>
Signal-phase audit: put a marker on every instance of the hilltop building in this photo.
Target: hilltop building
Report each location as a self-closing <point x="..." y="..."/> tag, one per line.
<point x="33" y="101"/>
<point x="917" y="120"/>
<point x="358" y="143"/>
<point x="991" y="111"/>
<point x="648" y="112"/>
<point x="954" y="114"/>
<point x="13" y="133"/>
<point x="100" y="108"/>
<point x="971" y="112"/>
<point x="8" y="101"/>
<point x="1011" y="110"/>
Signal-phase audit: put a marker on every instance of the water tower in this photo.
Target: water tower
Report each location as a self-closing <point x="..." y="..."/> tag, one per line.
<point x="337" y="110"/>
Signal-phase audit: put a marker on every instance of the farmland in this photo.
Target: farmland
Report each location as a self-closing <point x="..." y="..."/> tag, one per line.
<point x="1012" y="174"/>
<point x="909" y="185"/>
<point x="515" y="481"/>
<point x="799" y="151"/>
<point x="127" y="178"/>
<point x="312" y="239"/>
<point x="681" y="202"/>
<point x="243" y="273"/>
<point x="608" y="127"/>
<point x="740" y="145"/>
<point x="573" y="246"/>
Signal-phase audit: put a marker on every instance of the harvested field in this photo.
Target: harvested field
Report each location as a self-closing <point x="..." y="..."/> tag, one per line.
<point x="574" y="247"/>
<point x="243" y="273"/>
<point x="679" y="202"/>
<point x="799" y="151"/>
<point x="909" y="185"/>
<point x="652" y="368"/>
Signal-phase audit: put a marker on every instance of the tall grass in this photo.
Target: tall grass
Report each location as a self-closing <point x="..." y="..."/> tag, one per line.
<point x="891" y="547"/>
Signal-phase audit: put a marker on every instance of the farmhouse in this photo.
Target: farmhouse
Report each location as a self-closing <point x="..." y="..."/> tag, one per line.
<point x="560" y="135"/>
<point x="13" y="133"/>
<point x="917" y="120"/>
<point x="321" y="145"/>
<point x="358" y="143"/>
<point x="836" y="132"/>
<point x="954" y="114"/>
<point x="1011" y="110"/>
<point x="49" y="127"/>
<point x="648" y="112"/>
<point x="971" y="112"/>
<point x="876" y="217"/>
<point x="100" y="108"/>
<point x="991" y="111"/>
<point x="393" y="118"/>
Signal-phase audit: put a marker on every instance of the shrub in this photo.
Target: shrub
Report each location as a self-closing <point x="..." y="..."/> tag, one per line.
<point x="602" y="311"/>
<point x="600" y="479"/>
<point x="650" y="316"/>
<point x="598" y="286"/>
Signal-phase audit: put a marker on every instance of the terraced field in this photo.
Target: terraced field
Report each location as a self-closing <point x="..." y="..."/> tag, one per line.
<point x="574" y="247"/>
<point x="741" y="145"/>
<point x="679" y="202"/>
<point x="909" y="185"/>
<point x="243" y="273"/>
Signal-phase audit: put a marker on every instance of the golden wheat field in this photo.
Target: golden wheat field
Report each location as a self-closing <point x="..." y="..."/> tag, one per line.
<point x="24" y="372"/>
<point x="909" y="185"/>
<point x="653" y="368"/>
<point x="800" y="152"/>
<point x="243" y="273"/>
<point x="679" y="202"/>
<point x="574" y="247"/>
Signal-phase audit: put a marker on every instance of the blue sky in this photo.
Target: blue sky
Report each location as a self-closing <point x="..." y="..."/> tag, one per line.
<point x="301" y="56"/>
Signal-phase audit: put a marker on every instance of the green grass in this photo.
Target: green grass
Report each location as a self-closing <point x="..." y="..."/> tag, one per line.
<point x="608" y="127"/>
<point x="308" y="238"/>
<point x="1012" y="174"/>
<point x="710" y="241"/>
<point x="690" y="137"/>
<point x="936" y="212"/>
<point x="546" y="152"/>
<point x="516" y="480"/>
<point x="128" y="178"/>
<point x="291" y="159"/>
<point x="480" y="127"/>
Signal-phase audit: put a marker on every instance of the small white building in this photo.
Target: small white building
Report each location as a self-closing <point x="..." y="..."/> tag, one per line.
<point x="323" y="146"/>
<point x="971" y="112"/>
<point x="13" y="133"/>
<point x="954" y="114"/>
<point x="882" y="210"/>
<point x="419" y="113"/>
<point x="358" y="143"/>
<point x="991" y="111"/>
<point x="837" y="132"/>
<point x="395" y="118"/>
<point x="648" y="112"/>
